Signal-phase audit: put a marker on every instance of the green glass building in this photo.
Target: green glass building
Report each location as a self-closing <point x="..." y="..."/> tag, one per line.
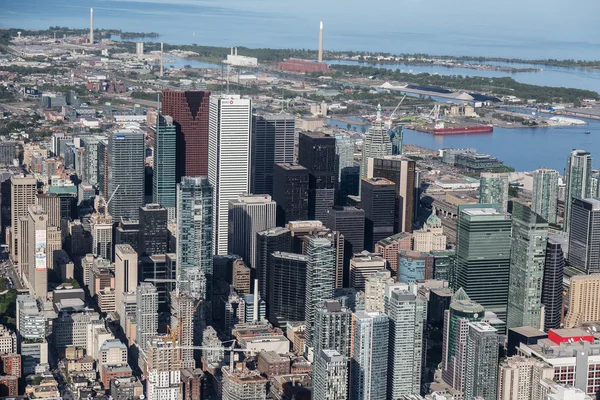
<point x="527" y="259"/>
<point x="483" y="255"/>
<point x="165" y="153"/>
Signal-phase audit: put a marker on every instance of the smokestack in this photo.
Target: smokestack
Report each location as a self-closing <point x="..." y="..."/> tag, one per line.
<point x="321" y="42"/>
<point x="91" y="26"/>
<point x="161" y="59"/>
<point x="255" y="309"/>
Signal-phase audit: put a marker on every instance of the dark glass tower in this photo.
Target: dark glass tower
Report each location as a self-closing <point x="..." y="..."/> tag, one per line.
<point x="153" y="235"/>
<point x="378" y="199"/>
<point x="189" y="110"/>
<point x="290" y="192"/>
<point x="268" y="242"/>
<point x="272" y="143"/>
<point x="350" y="222"/>
<point x="584" y="235"/>
<point x="402" y="172"/>
<point x="286" y="296"/>
<point x="552" y="285"/>
<point x="316" y="152"/>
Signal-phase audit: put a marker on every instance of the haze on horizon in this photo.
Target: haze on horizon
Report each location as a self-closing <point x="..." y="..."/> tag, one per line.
<point x="508" y="28"/>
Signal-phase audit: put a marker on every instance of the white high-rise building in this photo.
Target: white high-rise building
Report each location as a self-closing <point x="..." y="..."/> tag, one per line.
<point x="330" y="376"/>
<point x="164" y="370"/>
<point x="146" y="313"/>
<point x="230" y="127"/>
<point x="126" y="271"/>
<point x="248" y="215"/>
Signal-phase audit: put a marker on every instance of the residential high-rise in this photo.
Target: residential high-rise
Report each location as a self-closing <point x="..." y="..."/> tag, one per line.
<point x="184" y="319"/>
<point x="552" y="285"/>
<point x="164" y="369"/>
<point x="165" y="157"/>
<point x="286" y="290"/>
<point x="31" y="329"/>
<point x="153" y="235"/>
<point x="520" y="378"/>
<point x="248" y="215"/>
<point x="272" y="143"/>
<point x="33" y="251"/>
<point x="493" y="189"/>
<point x="584" y="300"/>
<point x="316" y="152"/>
<point x="407" y="315"/>
<point x="362" y="265"/>
<point x="545" y="194"/>
<point x="375" y="289"/>
<point x="378" y="199"/>
<point x="402" y="172"/>
<point x="320" y="278"/>
<point x="527" y="258"/>
<point x="190" y="112"/>
<point x="333" y="324"/>
<point x="22" y="195"/>
<point x="126" y="173"/>
<point x="228" y="159"/>
<point x="376" y="143"/>
<point x="290" y="192"/>
<point x="370" y="356"/>
<point x="584" y="235"/>
<point x="267" y="243"/>
<point x="195" y="236"/>
<point x="126" y="271"/>
<point x="483" y="255"/>
<point x="431" y="237"/>
<point x="146" y="314"/>
<point x="578" y="175"/>
<point x="481" y="376"/>
<point x="461" y="312"/>
<point x="330" y="376"/>
<point x="350" y="222"/>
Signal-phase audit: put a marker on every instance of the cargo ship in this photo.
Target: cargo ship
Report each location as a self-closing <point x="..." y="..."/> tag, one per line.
<point x="440" y="129"/>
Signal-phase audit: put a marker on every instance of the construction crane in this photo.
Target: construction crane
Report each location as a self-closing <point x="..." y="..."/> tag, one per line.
<point x="389" y="121"/>
<point x="176" y="335"/>
<point x="108" y="202"/>
<point x="230" y="349"/>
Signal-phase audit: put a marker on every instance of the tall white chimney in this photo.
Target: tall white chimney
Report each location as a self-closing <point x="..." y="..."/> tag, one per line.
<point x="91" y="26"/>
<point x="321" y="42"/>
<point x="161" y="59"/>
<point x="255" y="309"/>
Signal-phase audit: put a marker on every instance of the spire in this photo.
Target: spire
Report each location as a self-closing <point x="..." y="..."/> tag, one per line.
<point x="378" y="112"/>
<point x="434" y="220"/>
<point x="460" y="295"/>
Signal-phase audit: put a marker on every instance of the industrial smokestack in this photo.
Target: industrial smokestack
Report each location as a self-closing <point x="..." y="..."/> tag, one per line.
<point x="161" y="59"/>
<point x="255" y="309"/>
<point x="321" y="42"/>
<point x="91" y="26"/>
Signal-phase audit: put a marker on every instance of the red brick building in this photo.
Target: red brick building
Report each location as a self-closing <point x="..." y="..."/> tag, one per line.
<point x="110" y="372"/>
<point x="189" y="110"/>
<point x="270" y="363"/>
<point x="11" y="364"/>
<point x="9" y="385"/>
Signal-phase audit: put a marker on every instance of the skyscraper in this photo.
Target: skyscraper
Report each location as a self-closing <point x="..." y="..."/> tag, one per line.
<point x="333" y="324"/>
<point x="165" y="155"/>
<point x="190" y="112"/>
<point x="482" y="361"/>
<point x="316" y="152"/>
<point x="23" y="190"/>
<point x="153" y="234"/>
<point x="545" y="194"/>
<point x="330" y="376"/>
<point x="461" y="312"/>
<point x="267" y="243"/>
<point x="286" y="290"/>
<point x="552" y="286"/>
<point x="407" y="315"/>
<point x="376" y="143"/>
<point x="584" y="235"/>
<point x="272" y="143"/>
<point x="527" y="258"/>
<point x="520" y="378"/>
<point x="228" y="159"/>
<point x="483" y="255"/>
<point x="584" y="298"/>
<point x="33" y="245"/>
<point x="402" y="172"/>
<point x="578" y="176"/>
<point x="164" y="369"/>
<point x="378" y="199"/>
<point x="126" y="271"/>
<point x="195" y="236"/>
<point x="126" y="169"/>
<point x="350" y="222"/>
<point x="146" y="314"/>
<point x="370" y="356"/>
<point x="344" y="149"/>
<point x="290" y="192"/>
<point x="493" y="189"/>
<point x="248" y="215"/>
<point x="320" y="278"/>
<point x="375" y="290"/>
